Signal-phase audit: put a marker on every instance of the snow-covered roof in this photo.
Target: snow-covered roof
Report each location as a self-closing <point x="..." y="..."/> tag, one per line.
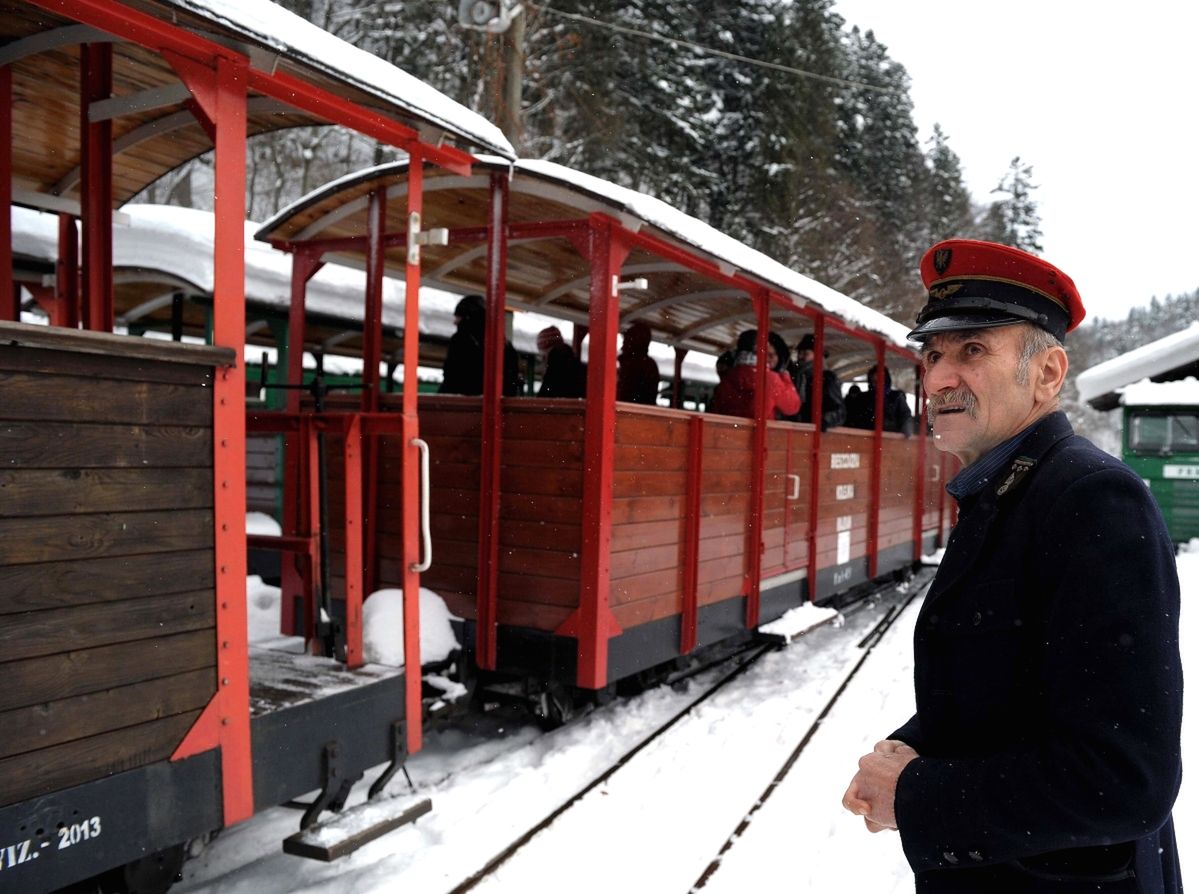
<point x="635" y="210"/>
<point x="711" y="241"/>
<point x="1155" y="394"/>
<point x="1099" y="384"/>
<point x="179" y="242"/>
<point x="273" y="27"/>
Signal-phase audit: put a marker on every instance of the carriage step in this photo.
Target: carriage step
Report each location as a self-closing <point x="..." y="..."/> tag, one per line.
<point x="351" y="829"/>
<point x="795" y="623"/>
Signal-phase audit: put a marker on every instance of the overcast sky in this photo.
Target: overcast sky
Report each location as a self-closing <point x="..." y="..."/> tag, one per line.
<point x="1099" y="97"/>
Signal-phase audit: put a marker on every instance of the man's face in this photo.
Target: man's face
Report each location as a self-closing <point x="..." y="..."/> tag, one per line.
<point x="974" y="399"/>
<point x="805" y="355"/>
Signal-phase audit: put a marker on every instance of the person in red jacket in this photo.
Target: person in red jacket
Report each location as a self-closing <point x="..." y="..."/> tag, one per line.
<point x="734" y="396"/>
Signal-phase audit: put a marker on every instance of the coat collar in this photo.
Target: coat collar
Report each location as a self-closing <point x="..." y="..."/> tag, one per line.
<point x="979" y="511"/>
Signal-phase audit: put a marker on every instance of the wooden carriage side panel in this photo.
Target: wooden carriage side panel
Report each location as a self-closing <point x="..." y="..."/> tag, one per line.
<point x="264" y="463"/>
<point x="541" y="511"/>
<point x="776" y="489"/>
<point x="107" y="595"/>
<point x="724" y="509"/>
<point x="898" y="490"/>
<point x="846" y="461"/>
<point x="648" y="506"/>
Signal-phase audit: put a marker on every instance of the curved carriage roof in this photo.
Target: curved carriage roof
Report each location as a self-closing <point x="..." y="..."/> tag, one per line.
<point x="684" y="307"/>
<point x="1174" y="357"/>
<point x="153" y="130"/>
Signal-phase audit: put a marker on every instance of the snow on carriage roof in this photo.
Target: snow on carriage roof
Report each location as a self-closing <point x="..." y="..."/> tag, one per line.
<point x="274" y="27"/>
<point x="719" y="245"/>
<point x="179" y="242"/>
<point x="664" y="217"/>
<point x="1145" y="362"/>
<point x="1144" y="393"/>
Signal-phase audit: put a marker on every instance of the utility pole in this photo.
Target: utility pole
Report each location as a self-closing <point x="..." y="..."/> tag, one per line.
<point x="514" y="59"/>
<point x="506" y="19"/>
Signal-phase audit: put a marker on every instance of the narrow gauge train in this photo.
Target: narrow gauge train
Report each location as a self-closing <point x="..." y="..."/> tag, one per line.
<point x="590" y="541"/>
<point x="134" y="717"/>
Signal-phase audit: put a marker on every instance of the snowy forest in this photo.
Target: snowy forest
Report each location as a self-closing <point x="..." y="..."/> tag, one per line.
<point x="772" y="120"/>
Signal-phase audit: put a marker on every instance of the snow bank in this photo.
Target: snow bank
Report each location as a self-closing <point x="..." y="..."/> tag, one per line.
<point x="1155" y="394"/>
<point x="383" y="628"/>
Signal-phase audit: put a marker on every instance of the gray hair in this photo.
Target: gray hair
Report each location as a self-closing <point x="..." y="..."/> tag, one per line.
<point x="1033" y="341"/>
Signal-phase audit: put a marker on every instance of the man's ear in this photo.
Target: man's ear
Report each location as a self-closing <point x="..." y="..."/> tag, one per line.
<point x="1051" y="373"/>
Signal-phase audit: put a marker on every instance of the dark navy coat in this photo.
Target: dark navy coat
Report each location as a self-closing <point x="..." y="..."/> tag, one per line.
<point x="1048" y="686"/>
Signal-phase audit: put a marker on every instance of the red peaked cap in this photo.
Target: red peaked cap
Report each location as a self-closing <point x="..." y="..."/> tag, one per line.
<point x="977" y="285"/>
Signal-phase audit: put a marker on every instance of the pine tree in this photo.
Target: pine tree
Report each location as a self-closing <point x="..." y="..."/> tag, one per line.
<point x="1014" y="219"/>
<point x="947" y="202"/>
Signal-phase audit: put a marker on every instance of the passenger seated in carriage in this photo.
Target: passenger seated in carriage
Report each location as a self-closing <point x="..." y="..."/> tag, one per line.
<point x="734" y="395"/>
<point x="564" y="375"/>
<point x="637" y="373"/>
<point x="897" y="416"/>
<point x="462" y="369"/>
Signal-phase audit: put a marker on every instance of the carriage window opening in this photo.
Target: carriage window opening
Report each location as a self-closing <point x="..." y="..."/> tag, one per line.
<point x="1164" y="432"/>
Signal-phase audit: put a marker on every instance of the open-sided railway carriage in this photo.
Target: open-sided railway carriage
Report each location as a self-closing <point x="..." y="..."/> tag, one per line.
<point x="588" y="541"/>
<point x="134" y="717"/>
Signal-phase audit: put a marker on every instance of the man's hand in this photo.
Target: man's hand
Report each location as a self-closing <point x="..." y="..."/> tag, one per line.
<point x="871" y="793"/>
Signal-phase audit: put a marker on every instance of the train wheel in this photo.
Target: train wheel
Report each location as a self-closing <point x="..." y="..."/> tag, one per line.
<point x="152" y="874"/>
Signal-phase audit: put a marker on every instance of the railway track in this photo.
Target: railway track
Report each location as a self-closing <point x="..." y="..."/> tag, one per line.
<point x="738" y="666"/>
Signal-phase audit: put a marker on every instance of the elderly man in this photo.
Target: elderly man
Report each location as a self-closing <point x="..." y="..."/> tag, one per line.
<point x="1044" y="755"/>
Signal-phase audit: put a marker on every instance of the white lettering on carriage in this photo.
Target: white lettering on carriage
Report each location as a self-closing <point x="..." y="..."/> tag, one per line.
<point x="1180" y="471"/>
<point x="844" y="522"/>
<point x="844" y="491"/>
<point x="843" y="540"/>
<point x="846" y="460"/>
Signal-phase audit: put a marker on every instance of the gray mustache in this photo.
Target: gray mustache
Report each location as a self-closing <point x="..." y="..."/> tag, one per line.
<point x="963" y="398"/>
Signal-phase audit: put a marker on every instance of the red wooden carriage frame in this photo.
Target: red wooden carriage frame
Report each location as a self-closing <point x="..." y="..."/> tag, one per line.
<point x="604" y="239"/>
<point x="230" y="83"/>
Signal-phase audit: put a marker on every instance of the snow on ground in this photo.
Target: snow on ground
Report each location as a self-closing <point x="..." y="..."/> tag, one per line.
<point x="655" y="826"/>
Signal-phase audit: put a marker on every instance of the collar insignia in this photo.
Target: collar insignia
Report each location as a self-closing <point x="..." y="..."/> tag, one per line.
<point x="1021" y="466"/>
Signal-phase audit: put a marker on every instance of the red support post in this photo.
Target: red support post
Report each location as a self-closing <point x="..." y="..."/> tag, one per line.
<point x="9" y="305"/>
<point x="372" y="355"/>
<point x="486" y="624"/>
<point x="354" y="559"/>
<point x="410" y="427"/>
<point x="814" y="474"/>
<point x="95" y="188"/>
<point x="594" y="622"/>
<point x="66" y="274"/>
<point x="876" y="470"/>
<point x="689" y="633"/>
<point x="754" y="527"/>
<point x="229" y="437"/>
<point x="301" y="499"/>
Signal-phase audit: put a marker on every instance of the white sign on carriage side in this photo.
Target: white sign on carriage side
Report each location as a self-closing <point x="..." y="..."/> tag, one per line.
<point x="845" y="461"/>
<point x="1174" y="471"/>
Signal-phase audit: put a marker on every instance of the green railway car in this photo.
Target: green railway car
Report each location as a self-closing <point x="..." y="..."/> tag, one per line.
<point x="1161" y="442"/>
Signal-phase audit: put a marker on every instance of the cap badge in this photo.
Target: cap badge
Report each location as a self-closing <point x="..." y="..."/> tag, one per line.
<point x="941" y="259"/>
<point x="1020" y="467"/>
<point x="941" y="292"/>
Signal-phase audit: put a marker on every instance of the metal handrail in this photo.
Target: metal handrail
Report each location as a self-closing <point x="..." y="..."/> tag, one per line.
<point x="425" y="534"/>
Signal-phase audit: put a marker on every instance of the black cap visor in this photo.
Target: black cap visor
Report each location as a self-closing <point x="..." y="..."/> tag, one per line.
<point x="961" y="322"/>
<point x="968" y="311"/>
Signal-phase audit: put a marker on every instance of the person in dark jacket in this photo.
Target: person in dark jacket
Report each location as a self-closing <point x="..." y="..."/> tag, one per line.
<point x="832" y="410"/>
<point x="637" y="374"/>
<point x="462" y="369"/>
<point x="1044" y="755"/>
<point x="734" y="396"/>
<point x="564" y="375"/>
<point x="859" y="406"/>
